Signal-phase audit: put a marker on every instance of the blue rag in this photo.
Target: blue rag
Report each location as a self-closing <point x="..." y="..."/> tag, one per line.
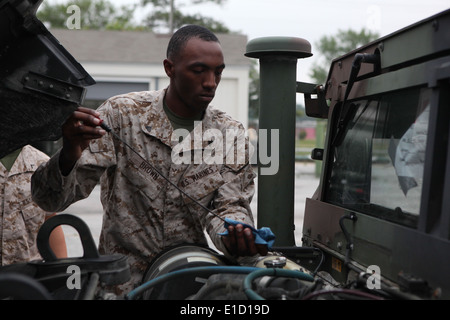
<point x="262" y="236"/>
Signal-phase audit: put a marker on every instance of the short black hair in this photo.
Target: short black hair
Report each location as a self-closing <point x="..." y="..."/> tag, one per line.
<point x="184" y="34"/>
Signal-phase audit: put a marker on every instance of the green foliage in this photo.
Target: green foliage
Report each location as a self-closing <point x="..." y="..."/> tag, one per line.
<point x="94" y="14"/>
<point x="159" y="20"/>
<point x="166" y="3"/>
<point x="104" y="15"/>
<point x="167" y="14"/>
<point x="333" y="46"/>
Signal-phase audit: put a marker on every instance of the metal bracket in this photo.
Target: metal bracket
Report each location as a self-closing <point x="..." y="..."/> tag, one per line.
<point x="318" y="107"/>
<point x="53" y="87"/>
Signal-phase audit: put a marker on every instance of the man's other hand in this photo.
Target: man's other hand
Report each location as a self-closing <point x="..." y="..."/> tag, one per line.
<point x="241" y="242"/>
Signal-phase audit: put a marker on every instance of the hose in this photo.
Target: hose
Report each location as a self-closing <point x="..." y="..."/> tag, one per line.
<point x="252" y="295"/>
<point x="134" y="294"/>
<point x="92" y="286"/>
<point x="347" y="236"/>
<point x="354" y="293"/>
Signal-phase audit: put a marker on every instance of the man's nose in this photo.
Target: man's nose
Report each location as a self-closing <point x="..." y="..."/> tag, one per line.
<point x="210" y="80"/>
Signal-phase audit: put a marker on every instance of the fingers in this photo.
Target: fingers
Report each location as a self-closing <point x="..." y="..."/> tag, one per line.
<point x="83" y="124"/>
<point x="252" y="247"/>
<point x="241" y="242"/>
<point x="230" y="240"/>
<point x="78" y="131"/>
<point x="250" y="242"/>
<point x="87" y="116"/>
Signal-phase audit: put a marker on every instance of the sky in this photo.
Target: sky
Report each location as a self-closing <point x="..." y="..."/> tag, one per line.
<point x="311" y="19"/>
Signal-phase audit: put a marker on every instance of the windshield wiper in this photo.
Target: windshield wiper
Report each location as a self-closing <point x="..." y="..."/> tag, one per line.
<point x="356" y="66"/>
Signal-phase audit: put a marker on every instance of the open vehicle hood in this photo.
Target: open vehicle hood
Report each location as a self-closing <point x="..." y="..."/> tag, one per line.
<point x="41" y="84"/>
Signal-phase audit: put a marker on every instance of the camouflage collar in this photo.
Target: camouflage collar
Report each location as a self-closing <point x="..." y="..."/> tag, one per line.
<point x="21" y="164"/>
<point x="159" y="126"/>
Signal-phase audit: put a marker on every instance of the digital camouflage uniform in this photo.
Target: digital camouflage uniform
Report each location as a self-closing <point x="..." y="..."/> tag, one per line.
<point x="143" y="213"/>
<point x="20" y="217"/>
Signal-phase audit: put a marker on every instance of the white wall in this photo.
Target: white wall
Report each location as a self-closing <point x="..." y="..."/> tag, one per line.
<point x="231" y="95"/>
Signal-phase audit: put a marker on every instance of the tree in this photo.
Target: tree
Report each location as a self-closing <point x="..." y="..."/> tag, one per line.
<point x="94" y="14"/>
<point x="104" y="15"/>
<point x="166" y="15"/>
<point x="331" y="47"/>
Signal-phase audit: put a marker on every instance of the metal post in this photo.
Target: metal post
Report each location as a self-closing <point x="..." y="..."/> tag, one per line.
<point x="278" y="71"/>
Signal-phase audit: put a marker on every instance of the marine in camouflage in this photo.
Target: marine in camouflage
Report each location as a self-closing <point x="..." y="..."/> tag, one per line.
<point x="20" y="217"/>
<point x="143" y="213"/>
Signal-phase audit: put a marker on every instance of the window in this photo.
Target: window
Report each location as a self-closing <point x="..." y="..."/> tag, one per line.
<point x="379" y="154"/>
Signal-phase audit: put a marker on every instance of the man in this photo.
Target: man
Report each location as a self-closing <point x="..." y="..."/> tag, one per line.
<point x="145" y="214"/>
<point x="20" y="218"/>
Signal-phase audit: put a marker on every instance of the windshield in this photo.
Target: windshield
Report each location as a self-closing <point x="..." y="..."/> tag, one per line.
<point x="378" y="161"/>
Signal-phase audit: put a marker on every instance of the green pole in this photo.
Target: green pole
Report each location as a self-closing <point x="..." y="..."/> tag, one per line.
<point x="276" y="161"/>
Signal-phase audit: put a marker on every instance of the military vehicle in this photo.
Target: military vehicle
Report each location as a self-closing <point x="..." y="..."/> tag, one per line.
<point x="382" y="205"/>
<point x="378" y="223"/>
<point x="377" y="227"/>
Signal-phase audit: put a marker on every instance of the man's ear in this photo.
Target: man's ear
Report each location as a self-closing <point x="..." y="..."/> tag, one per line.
<point x="168" y="67"/>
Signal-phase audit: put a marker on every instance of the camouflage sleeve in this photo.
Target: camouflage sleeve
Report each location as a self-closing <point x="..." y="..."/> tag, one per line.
<point x="54" y="192"/>
<point x="48" y="185"/>
<point x="232" y="201"/>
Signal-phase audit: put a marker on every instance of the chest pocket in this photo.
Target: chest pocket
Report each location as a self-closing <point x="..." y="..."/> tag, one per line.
<point x="144" y="177"/>
<point x="33" y="218"/>
<point x="201" y="184"/>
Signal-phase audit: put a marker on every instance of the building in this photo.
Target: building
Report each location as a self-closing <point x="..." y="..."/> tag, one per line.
<point x="126" y="61"/>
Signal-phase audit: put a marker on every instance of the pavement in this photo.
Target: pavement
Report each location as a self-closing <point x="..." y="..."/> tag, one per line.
<point x="90" y="209"/>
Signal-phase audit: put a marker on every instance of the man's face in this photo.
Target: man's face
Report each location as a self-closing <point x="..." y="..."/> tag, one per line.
<point x="195" y="74"/>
